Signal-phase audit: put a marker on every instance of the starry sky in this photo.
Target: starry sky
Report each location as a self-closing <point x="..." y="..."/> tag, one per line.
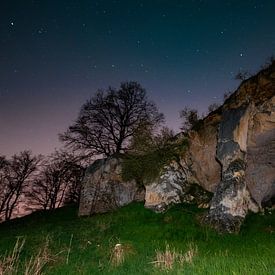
<point x="55" y="54"/>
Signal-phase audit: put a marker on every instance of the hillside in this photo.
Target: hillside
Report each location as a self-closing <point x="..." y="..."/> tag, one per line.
<point x="86" y="245"/>
<point x="225" y="162"/>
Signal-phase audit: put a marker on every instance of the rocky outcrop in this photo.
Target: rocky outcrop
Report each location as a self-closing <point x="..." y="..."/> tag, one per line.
<point x="246" y="152"/>
<point x="260" y="155"/>
<point x="172" y="187"/>
<point x="193" y="176"/>
<point x="104" y="190"/>
<point x="167" y="189"/>
<point x="231" y="153"/>
<point x="200" y="158"/>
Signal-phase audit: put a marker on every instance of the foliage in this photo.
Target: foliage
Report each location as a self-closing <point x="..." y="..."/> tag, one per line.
<point x="149" y="154"/>
<point x="252" y="251"/>
<point x="110" y="118"/>
<point x="189" y="117"/>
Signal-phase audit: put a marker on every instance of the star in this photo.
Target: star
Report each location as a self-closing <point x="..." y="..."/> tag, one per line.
<point x="41" y="30"/>
<point x="12" y="23"/>
<point x="241" y="54"/>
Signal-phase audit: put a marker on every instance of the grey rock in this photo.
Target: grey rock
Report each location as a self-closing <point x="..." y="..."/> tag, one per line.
<point x="172" y="187"/>
<point x="104" y="190"/>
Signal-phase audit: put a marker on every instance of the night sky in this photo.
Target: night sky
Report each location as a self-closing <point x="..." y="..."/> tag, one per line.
<point x="55" y="54"/>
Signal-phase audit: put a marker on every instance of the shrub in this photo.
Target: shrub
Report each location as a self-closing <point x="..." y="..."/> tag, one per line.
<point x="144" y="166"/>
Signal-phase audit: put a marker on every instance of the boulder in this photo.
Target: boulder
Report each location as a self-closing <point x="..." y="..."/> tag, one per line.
<point x="172" y="187"/>
<point x="104" y="190"/>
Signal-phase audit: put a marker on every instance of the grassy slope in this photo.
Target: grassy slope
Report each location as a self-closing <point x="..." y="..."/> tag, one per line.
<point x="250" y="252"/>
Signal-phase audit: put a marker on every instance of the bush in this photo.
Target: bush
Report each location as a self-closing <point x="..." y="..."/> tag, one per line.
<point x="144" y="167"/>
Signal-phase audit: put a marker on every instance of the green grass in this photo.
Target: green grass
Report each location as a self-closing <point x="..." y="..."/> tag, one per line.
<point x="250" y="252"/>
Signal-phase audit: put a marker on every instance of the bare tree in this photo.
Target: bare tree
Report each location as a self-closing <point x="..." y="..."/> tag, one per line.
<point x="75" y="184"/>
<point x="59" y="181"/>
<point x="270" y="60"/>
<point x="212" y="107"/>
<point x="189" y="118"/>
<point x="110" y="118"/>
<point x="242" y="75"/>
<point x="226" y="95"/>
<point x="15" y="175"/>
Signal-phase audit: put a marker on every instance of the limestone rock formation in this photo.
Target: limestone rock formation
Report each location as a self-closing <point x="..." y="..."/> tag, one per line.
<point x="172" y="187"/>
<point x="246" y="152"/>
<point x="103" y="189"/>
<point x="200" y="158"/>
<point x="231" y="153"/>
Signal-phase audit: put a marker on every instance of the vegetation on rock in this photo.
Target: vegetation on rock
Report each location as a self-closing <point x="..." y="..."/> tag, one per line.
<point x="149" y="153"/>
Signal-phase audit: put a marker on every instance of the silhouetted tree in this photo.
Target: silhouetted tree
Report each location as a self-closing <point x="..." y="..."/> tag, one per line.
<point x="226" y="95"/>
<point x="110" y="118"/>
<point x="270" y="60"/>
<point x="212" y="107"/>
<point x="242" y="75"/>
<point x="59" y="181"/>
<point x="15" y="175"/>
<point x="189" y="118"/>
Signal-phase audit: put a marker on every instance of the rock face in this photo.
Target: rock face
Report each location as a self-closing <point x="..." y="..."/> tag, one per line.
<point x="260" y="171"/>
<point x="103" y="189"/>
<point x="246" y="152"/>
<point x="172" y="187"/>
<point x="200" y="158"/>
<point x="167" y="189"/>
<point x="232" y="154"/>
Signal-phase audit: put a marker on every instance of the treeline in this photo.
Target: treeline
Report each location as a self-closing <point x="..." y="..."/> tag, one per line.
<point x="39" y="182"/>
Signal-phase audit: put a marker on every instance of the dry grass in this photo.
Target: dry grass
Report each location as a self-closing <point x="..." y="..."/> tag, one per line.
<point x="36" y="263"/>
<point x="166" y="260"/>
<point x="189" y="255"/>
<point x="9" y="264"/>
<point x="119" y="252"/>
